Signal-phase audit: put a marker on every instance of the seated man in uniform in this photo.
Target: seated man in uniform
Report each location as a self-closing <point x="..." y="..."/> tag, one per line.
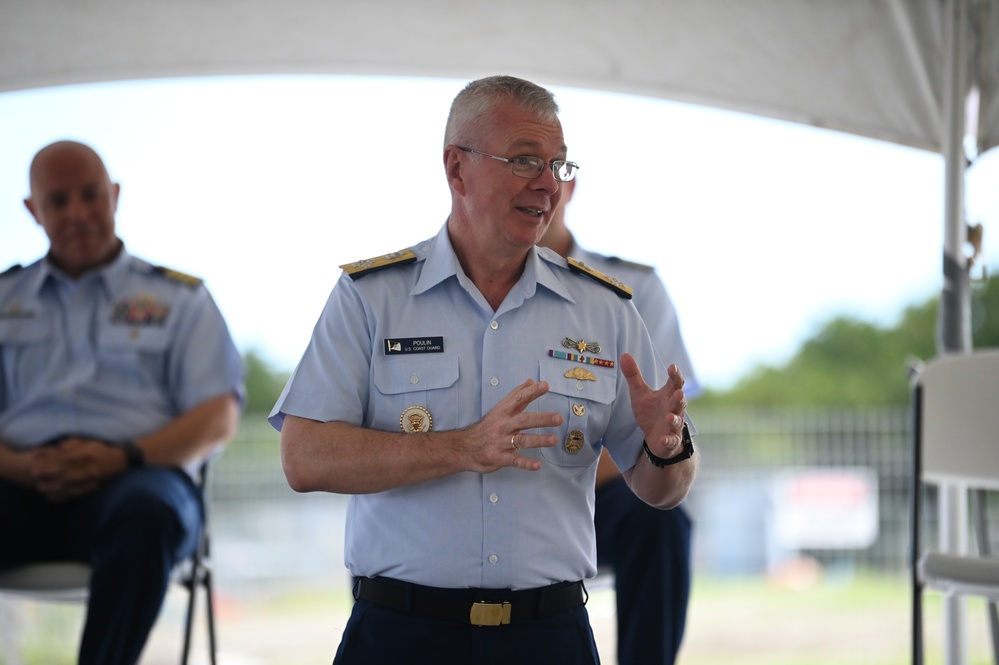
<point x="117" y="379"/>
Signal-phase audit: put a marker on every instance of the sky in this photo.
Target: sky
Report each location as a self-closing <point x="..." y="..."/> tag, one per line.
<point x="762" y="230"/>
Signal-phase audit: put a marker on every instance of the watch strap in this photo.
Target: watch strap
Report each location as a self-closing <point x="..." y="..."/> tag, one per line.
<point x="662" y="462"/>
<point x="135" y="456"/>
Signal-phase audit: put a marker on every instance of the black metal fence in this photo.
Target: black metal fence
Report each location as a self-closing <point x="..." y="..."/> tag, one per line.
<point x="733" y="505"/>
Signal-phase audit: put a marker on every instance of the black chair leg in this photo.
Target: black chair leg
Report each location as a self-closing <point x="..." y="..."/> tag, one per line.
<point x="210" y="608"/>
<point x="192" y="587"/>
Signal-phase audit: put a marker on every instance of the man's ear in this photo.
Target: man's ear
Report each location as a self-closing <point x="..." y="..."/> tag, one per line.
<point x="452" y="169"/>
<point x="29" y="204"/>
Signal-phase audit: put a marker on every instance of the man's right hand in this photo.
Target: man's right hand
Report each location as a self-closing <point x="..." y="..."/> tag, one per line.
<point x="497" y="438"/>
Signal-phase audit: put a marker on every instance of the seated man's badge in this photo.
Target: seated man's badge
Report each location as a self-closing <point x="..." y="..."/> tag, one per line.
<point x="416" y="419"/>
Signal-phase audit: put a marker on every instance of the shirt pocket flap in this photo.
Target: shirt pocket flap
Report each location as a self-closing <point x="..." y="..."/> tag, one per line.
<point x="393" y="376"/>
<point x="135" y="338"/>
<point x="24" y="331"/>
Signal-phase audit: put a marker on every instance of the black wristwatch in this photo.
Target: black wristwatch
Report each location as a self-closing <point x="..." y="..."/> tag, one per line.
<point x="663" y="462"/>
<point x="135" y="455"/>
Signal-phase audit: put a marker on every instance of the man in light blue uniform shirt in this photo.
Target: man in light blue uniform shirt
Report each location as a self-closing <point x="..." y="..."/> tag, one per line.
<point x="459" y="390"/>
<point x="651" y="598"/>
<point x="117" y="379"/>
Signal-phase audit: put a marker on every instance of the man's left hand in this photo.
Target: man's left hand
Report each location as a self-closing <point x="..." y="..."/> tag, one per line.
<point x="659" y="413"/>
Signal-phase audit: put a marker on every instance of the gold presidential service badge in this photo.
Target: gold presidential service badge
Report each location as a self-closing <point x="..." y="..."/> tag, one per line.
<point x="416" y="419"/>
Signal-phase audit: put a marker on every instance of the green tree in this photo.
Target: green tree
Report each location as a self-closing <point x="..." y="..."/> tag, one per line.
<point x="854" y="363"/>
<point x="985" y="314"/>
<point x="263" y="384"/>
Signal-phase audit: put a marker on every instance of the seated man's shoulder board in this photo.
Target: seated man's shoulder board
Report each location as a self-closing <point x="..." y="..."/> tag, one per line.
<point x="12" y="270"/>
<point x="614" y="284"/>
<point x="359" y="269"/>
<point x="177" y="276"/>
<point x="632" y="265"/>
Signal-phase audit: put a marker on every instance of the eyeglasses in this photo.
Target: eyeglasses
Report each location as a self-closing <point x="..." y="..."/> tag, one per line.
<point x="529" y="167"/>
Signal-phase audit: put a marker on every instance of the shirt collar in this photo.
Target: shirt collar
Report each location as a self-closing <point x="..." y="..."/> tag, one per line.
<point x="112" y="277"/>
<point x="441" y="263"/>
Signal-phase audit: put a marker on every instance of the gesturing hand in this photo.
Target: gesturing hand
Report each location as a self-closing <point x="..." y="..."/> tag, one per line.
<point x="496" y="439"/>
<point x="658" y="412"/>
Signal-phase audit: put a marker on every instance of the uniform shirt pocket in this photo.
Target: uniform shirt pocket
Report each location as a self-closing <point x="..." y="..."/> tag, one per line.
<point x="25" y="351"/>
<point x="24" y="332"/>
<point x="402" y="383"/>
<point x="135" y="355"/>
<point x="583" y="399"/>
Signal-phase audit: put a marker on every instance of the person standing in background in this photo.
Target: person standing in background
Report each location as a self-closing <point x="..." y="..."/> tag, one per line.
<point x="648" y="550"/>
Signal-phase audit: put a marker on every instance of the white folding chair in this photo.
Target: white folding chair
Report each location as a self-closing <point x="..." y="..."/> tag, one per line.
<point x="956" y="444"/>
<point x="68" y="581"/>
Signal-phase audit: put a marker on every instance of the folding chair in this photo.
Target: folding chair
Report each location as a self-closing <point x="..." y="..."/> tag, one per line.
<point x="956" y="444"/>
<point x="68" y="581"/>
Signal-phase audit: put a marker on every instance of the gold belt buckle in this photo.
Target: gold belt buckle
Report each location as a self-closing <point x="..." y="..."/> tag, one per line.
<point x="490" y="614"/>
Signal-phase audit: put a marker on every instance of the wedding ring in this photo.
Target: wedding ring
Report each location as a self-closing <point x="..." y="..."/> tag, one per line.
<point x="513" y="442"/>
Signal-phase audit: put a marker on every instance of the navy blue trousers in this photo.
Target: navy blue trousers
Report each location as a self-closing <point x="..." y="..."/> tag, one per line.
<point x="131" y="532"/>
<point x="649" y="552"/>
<point x="375" y="635"/>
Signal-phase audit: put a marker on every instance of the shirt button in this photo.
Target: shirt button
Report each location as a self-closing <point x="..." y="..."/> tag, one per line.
<point x="579" y="385"/>
<point x="494" y="382"/>
<point x="494" y="325"/>
<point x="493" y="558"/>
<point x="414" y="379"/>
<point x="493" y="498"/>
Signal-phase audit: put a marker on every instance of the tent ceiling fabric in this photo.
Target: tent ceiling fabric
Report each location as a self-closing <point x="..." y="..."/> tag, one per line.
<point x="867" y="67"/>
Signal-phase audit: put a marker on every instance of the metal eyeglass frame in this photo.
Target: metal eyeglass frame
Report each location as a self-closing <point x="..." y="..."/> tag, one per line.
<point x="522" y="161"/>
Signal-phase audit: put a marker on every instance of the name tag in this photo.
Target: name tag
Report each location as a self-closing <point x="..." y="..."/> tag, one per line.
<point x="414" y="345"/>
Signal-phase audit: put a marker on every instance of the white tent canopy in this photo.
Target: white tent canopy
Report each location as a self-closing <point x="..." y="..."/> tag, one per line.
<point x="876" y="68"/>
<point x="921" y="73"/>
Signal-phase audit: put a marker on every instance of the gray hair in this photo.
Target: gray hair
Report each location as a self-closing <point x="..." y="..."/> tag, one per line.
<point x="478" y="98"/>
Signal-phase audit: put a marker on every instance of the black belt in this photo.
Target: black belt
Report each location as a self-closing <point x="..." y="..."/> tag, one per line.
<point x="480" y="607"/>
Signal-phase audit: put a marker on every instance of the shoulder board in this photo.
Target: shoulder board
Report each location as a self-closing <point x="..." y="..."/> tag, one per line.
<point x="631" y="264"/>
<point x="613" y="284"/>
<point x="176" y="276"/>
<point x="359" y="269"/>
<point x="11" y="270"/>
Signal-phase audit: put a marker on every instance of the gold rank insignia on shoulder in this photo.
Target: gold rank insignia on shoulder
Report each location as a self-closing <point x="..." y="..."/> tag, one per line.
<point x="359" y="269"/>
<point x="614" y="284"/>
<point x="177" y="276"/>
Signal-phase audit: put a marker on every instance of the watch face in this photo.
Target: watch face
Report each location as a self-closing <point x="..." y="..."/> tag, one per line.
<point x="688" y="443"/>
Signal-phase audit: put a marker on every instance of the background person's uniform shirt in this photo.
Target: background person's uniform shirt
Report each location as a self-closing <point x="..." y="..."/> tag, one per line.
<point x="511" y="528"/>
<point x="654" y="304"/>
<point x="114" y="355"/>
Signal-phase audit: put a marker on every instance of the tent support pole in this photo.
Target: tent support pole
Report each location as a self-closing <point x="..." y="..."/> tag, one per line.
<point x="954" y="328"/>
